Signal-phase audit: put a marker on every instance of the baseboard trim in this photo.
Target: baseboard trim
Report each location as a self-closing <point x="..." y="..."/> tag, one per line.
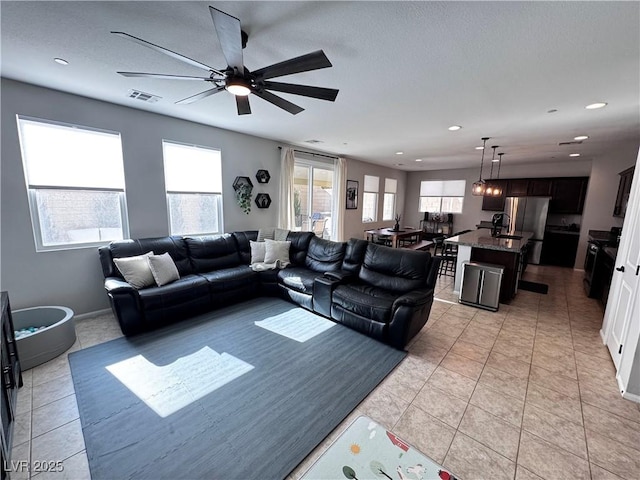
<point x="84" y="316"/>
<point x="631" y="397"/>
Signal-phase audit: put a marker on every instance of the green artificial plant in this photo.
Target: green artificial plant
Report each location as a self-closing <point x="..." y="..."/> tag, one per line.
<point x="243" y="197"/>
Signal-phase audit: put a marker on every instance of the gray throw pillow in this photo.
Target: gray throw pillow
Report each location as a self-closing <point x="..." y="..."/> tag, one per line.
<point x="258" y="250"/>
<point x="266" y="233"/>
<point x="276" y="251"/>
<point x="280" y="234"/>
<point x="135" y="270"/>
<point x="163" y="269"/>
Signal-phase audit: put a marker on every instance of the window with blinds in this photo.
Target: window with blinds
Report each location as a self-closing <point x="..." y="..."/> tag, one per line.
<point x="193" y="182"/>
<point x="446" y="196"/>
<point x="370" y="199"/>
<point x="75" y="184"/>
<point x="389" y="201"/>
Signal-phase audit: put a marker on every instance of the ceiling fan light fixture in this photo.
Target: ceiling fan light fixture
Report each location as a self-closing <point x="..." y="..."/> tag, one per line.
<point x="238" y="87"/>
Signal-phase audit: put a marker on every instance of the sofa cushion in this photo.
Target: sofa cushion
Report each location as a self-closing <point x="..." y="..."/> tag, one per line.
<point x="213" y="252"/>
<point x="354" y="255"/>
<point x="136" y="270"/>
<point x="242" y="240"/>
<point x="276" y="251"/>
<point x="298" y="278"/>
<point x="258" y="251"/>
<point x="365" y="300"/>
<point x="183" y="290"/>
<point x="299" y="246"/>
<point x="395" y="269"/>
<point x="174" y="246"/>
<point x="163" y="269"/>
<point x="231" y="278"/>
<point x="325" y="255"/>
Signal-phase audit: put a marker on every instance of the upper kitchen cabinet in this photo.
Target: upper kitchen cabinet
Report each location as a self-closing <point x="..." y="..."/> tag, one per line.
<point x="624" y="188"/>
<point x="495" y="204"/>
<point x="568" y="195"/>
<point x="540" y="187"/>
<point x="518" y="187"/>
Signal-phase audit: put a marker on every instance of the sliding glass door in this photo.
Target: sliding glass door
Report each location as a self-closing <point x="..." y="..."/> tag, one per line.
<point x="313" y="197"/>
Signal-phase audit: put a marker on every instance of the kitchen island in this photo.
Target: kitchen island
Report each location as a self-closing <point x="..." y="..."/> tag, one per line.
<point x="505" y="250"/>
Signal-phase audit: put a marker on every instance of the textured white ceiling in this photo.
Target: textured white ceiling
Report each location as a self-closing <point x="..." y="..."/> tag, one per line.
<point x="405" y="70"/>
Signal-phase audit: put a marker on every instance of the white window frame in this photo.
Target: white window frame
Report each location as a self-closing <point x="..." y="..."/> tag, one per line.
<point x="218" y="194"/>
<point x="390" y="190"/>
<point x="369" y="191"/>
<point x="442" y="189"/>
<point x="33" y="188"/>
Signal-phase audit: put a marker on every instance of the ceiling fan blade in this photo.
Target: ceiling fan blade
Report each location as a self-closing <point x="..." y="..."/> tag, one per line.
<point x="168" y="52"/>
<point x="243" y="105"/>
<point x="164" y="76"/>
<point x="278" y="101"/>
<point x="199" y="96"/>
<point x="304" y="63"/>
<point x="321" y="93"/>
<point x="230" y="36"/>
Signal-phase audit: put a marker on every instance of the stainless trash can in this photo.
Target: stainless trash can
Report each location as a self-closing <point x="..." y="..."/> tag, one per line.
<point x="481" y="284"/>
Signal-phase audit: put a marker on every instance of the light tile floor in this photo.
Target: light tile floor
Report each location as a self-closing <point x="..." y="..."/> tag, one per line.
<point x="524" y="393"/>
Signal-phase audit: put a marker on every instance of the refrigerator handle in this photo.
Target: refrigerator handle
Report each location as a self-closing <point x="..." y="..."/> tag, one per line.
<point x="481" y="287"/>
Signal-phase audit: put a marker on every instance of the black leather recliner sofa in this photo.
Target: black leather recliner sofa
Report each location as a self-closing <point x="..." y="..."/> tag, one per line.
<point x="382" y="292"/>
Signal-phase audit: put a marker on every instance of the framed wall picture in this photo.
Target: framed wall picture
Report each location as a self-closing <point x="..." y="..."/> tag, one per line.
<point x="352" y="194"/>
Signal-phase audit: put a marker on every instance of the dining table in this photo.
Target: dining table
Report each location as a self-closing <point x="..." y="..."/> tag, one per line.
<point x="394" y="235"/>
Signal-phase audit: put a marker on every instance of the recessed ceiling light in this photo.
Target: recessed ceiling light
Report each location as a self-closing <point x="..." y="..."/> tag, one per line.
<point x="453" y="128"/>
<point x="480" y="148"/>
<point x="593" y="106"/>
<point x="399" y="153"/>
<point x="61" y="61"/>
<point x="574" y="154"/>
<point x="418" y="159"/>
<point x="581" y="137"/>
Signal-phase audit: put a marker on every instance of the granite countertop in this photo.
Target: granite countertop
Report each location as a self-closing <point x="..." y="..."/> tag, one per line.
<point x="483" y="239"/>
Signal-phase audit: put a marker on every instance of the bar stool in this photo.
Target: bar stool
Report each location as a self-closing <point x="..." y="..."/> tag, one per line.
<point x="448" y="255"/>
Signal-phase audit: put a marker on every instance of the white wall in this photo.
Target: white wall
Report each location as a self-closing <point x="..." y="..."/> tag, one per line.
<point x="356" y="170"/>
<point x="73" y="277"/>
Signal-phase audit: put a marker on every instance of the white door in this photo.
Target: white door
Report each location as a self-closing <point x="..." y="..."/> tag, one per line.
<point x="625" y="282"/>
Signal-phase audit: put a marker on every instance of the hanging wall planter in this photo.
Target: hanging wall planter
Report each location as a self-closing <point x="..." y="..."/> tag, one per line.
<point x="263" y="200"/>
<point x="263" y="176"/>
<point x="243" y="188"/>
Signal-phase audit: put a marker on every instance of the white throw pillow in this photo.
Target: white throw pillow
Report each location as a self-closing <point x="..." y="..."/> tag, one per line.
<point x="135" y="270"/>
<point x="276" y="251"/>
<point x="280" y="234"/>
<point x="258" y="250"/>
<point x="163" y="269"/>
<point x="266" y="233"/>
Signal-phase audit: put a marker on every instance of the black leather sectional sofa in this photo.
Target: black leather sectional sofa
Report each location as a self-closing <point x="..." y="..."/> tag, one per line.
<point x="382" y="292"/>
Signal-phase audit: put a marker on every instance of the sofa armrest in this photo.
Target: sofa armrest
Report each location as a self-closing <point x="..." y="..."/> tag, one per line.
<point x="322" y="291"/>
<point x="413" y="299"/>
<point x="114" y="284"/>
<point x="341" y="276"/>
<point x="125" y="303"/>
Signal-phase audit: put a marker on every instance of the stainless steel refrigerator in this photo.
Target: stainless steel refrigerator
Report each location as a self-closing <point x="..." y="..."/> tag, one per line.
<point x="529" y="214"/>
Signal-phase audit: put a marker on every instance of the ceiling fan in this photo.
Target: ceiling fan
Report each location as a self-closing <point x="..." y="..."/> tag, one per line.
<point x="236" y="78"/>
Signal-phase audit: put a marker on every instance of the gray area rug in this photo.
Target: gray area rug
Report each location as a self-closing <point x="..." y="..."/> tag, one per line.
<point x="221" y="397"/>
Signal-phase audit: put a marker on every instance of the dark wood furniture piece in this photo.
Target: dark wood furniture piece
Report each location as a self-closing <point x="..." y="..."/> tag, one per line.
<point x="624" y="189"/>
<point x="559" y="248"/>
<point x="394" y="237"/>
<point x="435" y="227"/>
<point x="567" y="193"/>
<point x="11" y="381"/>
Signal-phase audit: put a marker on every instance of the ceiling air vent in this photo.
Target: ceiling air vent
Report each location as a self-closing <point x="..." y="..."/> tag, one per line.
<point x="145" y="97"/>
<point x="313" y="141"/>
<point x="575" y="142"/>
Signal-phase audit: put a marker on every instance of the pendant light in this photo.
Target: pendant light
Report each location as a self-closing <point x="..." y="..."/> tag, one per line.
<point x="497" y="190"/>
<point x="489" y="191"/>
<point x="479" y="187"/>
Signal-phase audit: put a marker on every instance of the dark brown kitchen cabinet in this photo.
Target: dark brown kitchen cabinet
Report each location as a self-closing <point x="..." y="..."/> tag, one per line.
<point x="568" y="195"/>
<point x="495" y="204"/>
<point x="540" y="187"/>
<point x="518" y="187"/>
<point x="624" y="189"/>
